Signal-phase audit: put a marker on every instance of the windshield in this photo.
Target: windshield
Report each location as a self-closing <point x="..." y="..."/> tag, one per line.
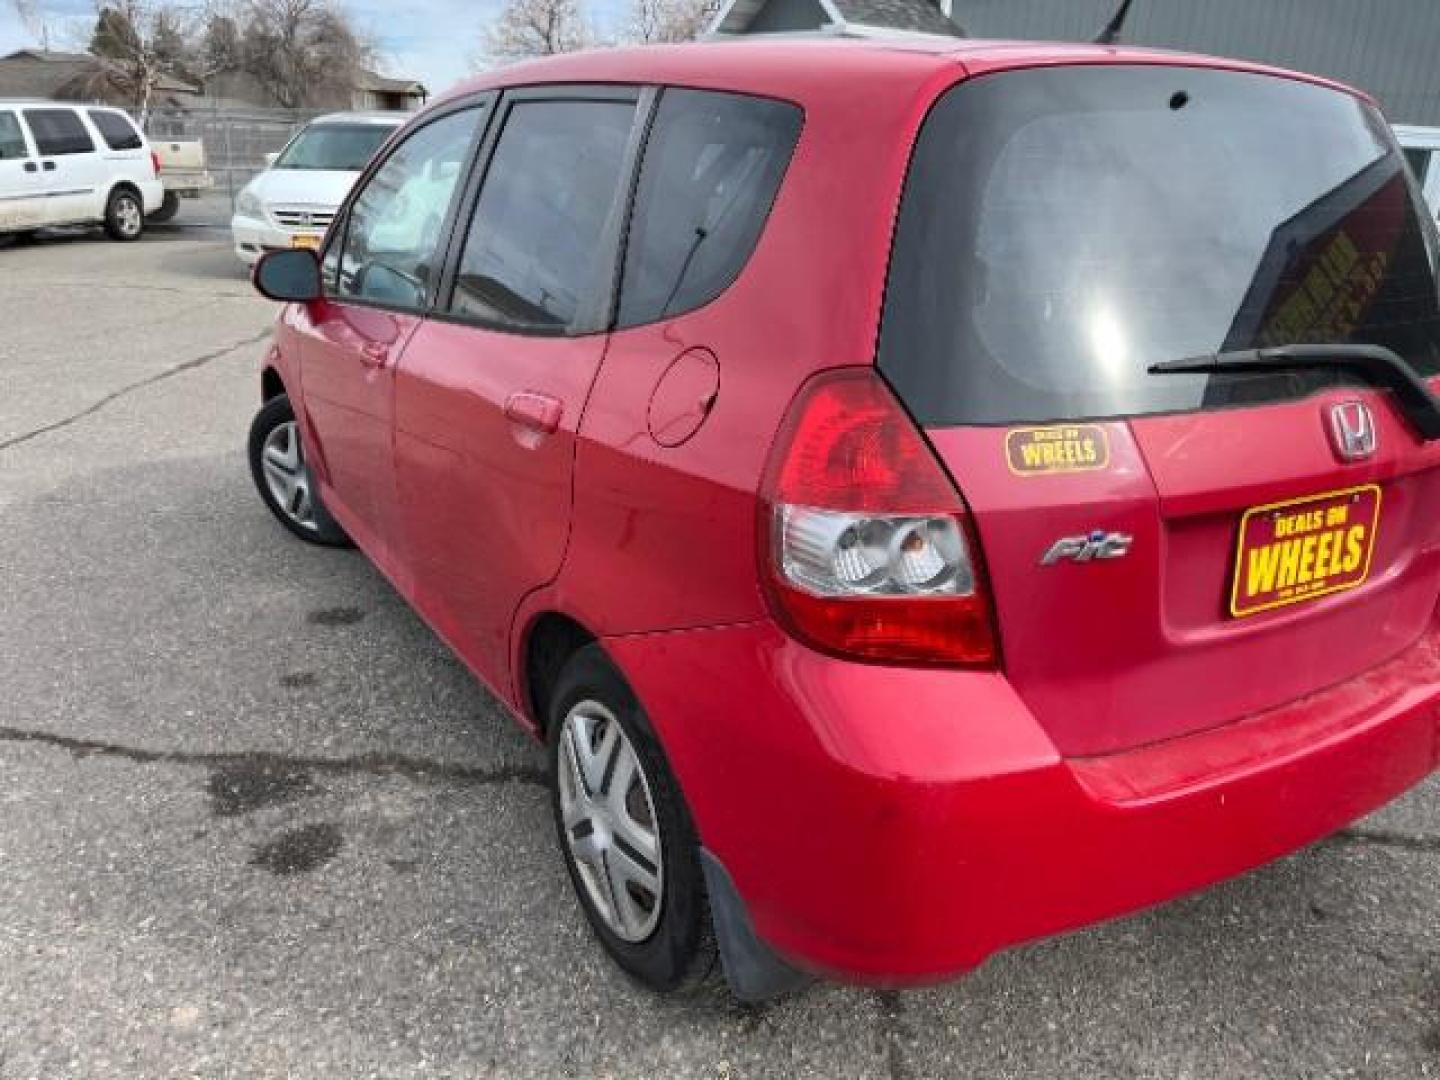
<point x="339" y="147"/>
<point x="1064" y="229"/>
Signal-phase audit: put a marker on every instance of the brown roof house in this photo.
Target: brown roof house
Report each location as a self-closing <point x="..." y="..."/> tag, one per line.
<point x="67" y="76"/>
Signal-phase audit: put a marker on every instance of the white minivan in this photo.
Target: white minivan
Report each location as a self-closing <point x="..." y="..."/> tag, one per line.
<point x="74" y="165"/>
<point x="293" y="201"/>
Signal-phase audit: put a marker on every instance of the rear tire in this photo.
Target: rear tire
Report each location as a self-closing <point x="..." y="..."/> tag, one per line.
<point x="668" y="945"/>
<point x="125" y="215"/>
<point x="283" y="476"/>
<point x="168" y="209"/>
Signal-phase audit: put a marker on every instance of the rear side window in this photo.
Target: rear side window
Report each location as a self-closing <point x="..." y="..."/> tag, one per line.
<point x="12" y="139"/>
<point x="58" y="132"/>
<point x="712" y="165"/>
<point x="533" y="252"/>
<point x="1419" y="163"/>
<point x="1064" y="229"/>
<point x="116" y="130"/>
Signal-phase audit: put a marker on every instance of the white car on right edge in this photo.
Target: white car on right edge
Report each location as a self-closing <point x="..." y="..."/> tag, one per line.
<point x="293" y="201"/>
<point x="1422" y="151"/>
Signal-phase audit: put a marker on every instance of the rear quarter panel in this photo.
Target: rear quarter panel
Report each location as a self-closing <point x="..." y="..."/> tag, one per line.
<point x="665" y="538"/>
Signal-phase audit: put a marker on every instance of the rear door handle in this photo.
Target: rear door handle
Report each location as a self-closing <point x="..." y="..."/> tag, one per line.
<point x="48" y="166"/>
<point x="538" y="412"/>
<point x="30" y="166"/>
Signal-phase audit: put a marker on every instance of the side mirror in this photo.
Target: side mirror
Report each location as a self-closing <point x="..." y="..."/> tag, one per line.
<point x="271" y="158"/>
<point x="288" y="275"/>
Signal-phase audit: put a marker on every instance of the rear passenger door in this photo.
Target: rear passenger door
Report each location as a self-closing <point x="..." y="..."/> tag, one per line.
<point x="70" y="168"/>
<point x="490" y="392"/>
<point x="20" y="204"/>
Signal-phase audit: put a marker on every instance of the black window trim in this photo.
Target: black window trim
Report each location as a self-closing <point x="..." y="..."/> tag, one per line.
<point x="339" y="232"/>
<point x="594" y="314"/>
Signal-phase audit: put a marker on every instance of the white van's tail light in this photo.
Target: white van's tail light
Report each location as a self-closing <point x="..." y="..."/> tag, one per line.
<point x="867" y="542"/>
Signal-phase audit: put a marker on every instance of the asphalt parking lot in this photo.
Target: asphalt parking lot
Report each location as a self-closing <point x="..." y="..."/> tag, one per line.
<point x="255" y="821"/>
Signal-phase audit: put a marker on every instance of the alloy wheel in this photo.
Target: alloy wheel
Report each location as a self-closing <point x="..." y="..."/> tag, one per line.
<point x="611" y="828"/>
<point x="128" y="215"/>
<point x="286" y="475"/>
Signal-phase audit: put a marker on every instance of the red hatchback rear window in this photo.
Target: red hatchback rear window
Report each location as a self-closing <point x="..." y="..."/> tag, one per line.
<point x="1064" y="229"/>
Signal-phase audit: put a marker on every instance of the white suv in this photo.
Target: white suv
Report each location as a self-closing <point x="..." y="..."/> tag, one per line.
<point x="292" y="202"/>
<point x="74" y="165"/>
<point x="1422" y="151"/>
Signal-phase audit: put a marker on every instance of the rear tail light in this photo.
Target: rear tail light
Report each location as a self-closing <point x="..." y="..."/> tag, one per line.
<point x="154" y="163"/>
<point x="867" y="544"/>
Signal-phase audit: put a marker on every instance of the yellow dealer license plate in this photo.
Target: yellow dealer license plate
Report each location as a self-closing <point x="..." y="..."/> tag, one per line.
<point x="1305" y="548"/>
<point x="310" y="243"/>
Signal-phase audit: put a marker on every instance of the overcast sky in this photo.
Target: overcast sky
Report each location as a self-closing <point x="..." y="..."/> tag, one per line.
<point x="434" y="41"/>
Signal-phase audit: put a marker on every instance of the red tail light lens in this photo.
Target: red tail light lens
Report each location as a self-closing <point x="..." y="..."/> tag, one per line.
<point x="868" y="545"/>
<point x="154" y="163"/>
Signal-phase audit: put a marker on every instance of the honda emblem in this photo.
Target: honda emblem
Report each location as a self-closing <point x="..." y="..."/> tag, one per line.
<point x="1352" y="429"/>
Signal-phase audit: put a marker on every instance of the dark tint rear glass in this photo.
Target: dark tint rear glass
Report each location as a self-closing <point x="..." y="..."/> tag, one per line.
<point x="1064" y="229"/>
<point x="1419" y="163"/>
<point x="712" y="165"/>
<point x="116" y="130"/>
<point x="58" y="132"/>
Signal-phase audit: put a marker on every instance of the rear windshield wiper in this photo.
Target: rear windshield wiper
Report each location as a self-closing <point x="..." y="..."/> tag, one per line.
<point x="1378" y="365"/>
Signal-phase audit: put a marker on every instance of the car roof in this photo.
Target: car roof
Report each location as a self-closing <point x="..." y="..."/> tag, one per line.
<point x="384" y="119"/>
<point x="52" y="103"/>
<point x="1417" y="137"/>
<point x="804" y="66"/>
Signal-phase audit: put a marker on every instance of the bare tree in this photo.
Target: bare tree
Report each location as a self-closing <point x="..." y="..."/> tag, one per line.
<point x="33" y="21"/>
<point x="302" y="52"/>
<point x="138" y="43"/>
<point x="529" y="28"/>
<point x="663" y="21"/>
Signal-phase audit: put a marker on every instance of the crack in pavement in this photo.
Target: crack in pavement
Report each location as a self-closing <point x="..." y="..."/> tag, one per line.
<point x="419" y="770"/>
<point x="1390" y="838"/>
<point x="130" y="286"/>
<point x="150" y="380"/>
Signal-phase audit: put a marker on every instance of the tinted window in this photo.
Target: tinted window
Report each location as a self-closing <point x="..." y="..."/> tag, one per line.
<point x="392" y="242"/>
<point x="58" y="132"/>
<point x="338" y="147"/>
<point x="1062" y="230"/>
<point x="1419" y="163"/>
<point x="532" y="253"/>
<point x="116" y="130"/>
<point x="712" y="166"/>
<point x="12" y="139"/>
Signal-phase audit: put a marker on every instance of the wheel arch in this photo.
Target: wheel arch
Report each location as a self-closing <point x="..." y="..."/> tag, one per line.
<point x="125" y="184"/>
<point x="271" y="384"/>
<point x="550" y="639"/>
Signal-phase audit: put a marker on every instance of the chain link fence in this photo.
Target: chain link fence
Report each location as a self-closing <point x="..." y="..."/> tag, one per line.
<point x="236" y="138"/>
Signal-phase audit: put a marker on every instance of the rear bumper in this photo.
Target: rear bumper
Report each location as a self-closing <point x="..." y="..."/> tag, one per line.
<point x="899" y="825"/>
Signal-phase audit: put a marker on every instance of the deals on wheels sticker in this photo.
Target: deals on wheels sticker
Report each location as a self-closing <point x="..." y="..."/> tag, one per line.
<point x="1304" y="548"/>
<point x="1060" y="449"/>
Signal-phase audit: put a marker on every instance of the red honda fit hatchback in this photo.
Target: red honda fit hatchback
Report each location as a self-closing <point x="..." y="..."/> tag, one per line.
<point x="927" y="495"/>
